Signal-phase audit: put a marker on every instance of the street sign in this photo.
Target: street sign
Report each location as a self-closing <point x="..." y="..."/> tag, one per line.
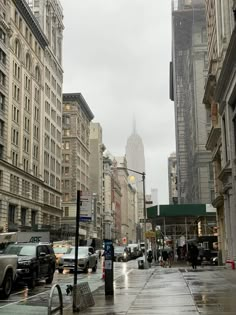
<point x="86" y="204"/>
<point x="85" y="219"/>
<point x="150" y="234"/>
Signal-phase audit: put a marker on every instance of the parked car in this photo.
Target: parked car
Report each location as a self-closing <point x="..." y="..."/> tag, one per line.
<point x="121" y="253"/>
<point x="87" y="258"/>
<point x="8" y="264"/>
<point x="35" y="262"/>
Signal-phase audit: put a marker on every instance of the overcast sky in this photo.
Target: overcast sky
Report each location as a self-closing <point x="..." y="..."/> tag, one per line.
<point x="117" y="53"/>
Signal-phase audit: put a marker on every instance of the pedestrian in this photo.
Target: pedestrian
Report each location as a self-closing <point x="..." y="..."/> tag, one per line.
<point x="193" y="255"/>
<point x="170" y="258"/>
<point x="149" y="258"/>
<point x="164" y="258"/>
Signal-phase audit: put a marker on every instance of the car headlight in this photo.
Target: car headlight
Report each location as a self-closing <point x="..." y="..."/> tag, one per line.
<point x="81" y="260"/>
<point x="125" y="255"/>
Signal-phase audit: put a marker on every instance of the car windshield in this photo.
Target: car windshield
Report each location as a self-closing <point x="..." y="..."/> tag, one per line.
<point x="61" y="250"/>
<point x="119" y="249"/>
<point x="82" y="251"/>
<point x="21" y="250"/>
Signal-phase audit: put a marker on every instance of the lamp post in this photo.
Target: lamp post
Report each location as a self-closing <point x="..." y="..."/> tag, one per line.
<point x="144" y="210"/>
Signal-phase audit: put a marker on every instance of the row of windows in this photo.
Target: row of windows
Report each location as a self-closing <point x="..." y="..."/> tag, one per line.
<point x="27" y="34"/>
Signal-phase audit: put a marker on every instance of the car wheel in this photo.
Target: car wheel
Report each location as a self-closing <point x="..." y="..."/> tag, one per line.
<point x="50" y="277"/>
<point x="95" y="268"/>
<point x="32" y="281"/>
<point x="7" y="285"/>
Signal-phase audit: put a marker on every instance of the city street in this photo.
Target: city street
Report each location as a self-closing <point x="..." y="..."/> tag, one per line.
<point x="39" y="295"/>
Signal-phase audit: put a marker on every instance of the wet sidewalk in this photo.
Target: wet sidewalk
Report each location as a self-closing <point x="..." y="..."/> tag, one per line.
<point x="174" y="291"/>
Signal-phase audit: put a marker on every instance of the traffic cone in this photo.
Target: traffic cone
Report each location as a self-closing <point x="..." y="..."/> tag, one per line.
<point x="103" y="270"/>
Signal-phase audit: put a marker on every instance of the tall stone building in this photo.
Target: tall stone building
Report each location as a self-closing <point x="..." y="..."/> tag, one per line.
<point x="96" y="177"/>
<point x="111" y="200"/>
<point x="30" y="186"/>
<point x="220" y="102"/>
<point x="188" y="74"/>
<point x="75" y="159"/>
<point x="172" y="179"/>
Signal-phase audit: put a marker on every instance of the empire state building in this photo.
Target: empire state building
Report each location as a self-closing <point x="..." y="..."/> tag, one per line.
<point x="135" y="157"/>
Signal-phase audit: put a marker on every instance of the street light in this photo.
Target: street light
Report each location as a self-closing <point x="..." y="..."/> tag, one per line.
<point x="144" y="209"/>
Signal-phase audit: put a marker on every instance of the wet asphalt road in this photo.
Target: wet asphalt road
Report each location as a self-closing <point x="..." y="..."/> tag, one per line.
<point x="40" y="294"/>
<point x="173" y="291"/>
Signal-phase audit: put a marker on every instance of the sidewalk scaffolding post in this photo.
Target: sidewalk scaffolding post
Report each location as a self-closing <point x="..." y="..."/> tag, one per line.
<point x="144" y="217"/>
<point x="75" y="308"/>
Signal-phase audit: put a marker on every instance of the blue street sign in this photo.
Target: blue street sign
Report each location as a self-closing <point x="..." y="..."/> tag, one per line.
<point x="85" y="219"/>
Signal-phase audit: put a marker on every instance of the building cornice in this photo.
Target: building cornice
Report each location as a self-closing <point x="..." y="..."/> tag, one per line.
<point x="32" y="22"/>
<point x="218" y="201"/>
<point x="213" y="138"/>
<point x="78" y="97"/>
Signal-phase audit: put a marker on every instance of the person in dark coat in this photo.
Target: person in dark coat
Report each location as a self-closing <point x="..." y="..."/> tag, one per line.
<point x="149" y="257"/>
<point x="164" y="257"/>
<point x="193" y="255"/>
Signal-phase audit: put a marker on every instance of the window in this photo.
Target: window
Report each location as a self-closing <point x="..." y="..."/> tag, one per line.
<point x="20" y="24"/>
<point x="2" y="36"/>
<point x="1" y="128"/>
<point x="2" y="78"/>
<point x="16" y="93"/>
<point x="26" y="33"/>
<point x="27" y="83"/>
<point x="37" y="94"/>
<point x="35" y="192"/>
<point x="25" y="165"/>
<point x="23" y="216"/>
<point x="37" y="74"/>
<point x="33" y="217"/>
<point x="16" y="70"/>
<point x="16" y="17"/>
<point x="26" y="145"/>
<point x="28" y="62"/>
<point x="14" y="158"/>
<point x="225" y="138"/>
<point x="17" y="48"/>
<point x="2" y="57"/>
<point x="36" y="113"/>
<point x="66" y="213"/>
<point x="14" y="136"/>
<point x="15" y="114"/>
<point x="27" y="104"/>
<point x="2" y="102"/>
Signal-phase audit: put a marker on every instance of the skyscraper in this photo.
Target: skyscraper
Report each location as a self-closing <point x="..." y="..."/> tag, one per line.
<point x="135" y="157"/>
<point x="189" y="42"/>
<point x="136" y="161"/>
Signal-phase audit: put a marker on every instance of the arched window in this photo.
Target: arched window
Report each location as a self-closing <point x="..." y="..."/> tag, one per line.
<point x="37" y="74"/>
<point x="28" y="62"/>
<point x="17" y="48"/>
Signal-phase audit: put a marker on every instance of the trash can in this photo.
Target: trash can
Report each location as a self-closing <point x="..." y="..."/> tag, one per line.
<point x="140" y="263"/>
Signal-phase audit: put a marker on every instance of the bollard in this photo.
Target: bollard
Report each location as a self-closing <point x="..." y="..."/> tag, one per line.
<point x="26" y="290"/>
